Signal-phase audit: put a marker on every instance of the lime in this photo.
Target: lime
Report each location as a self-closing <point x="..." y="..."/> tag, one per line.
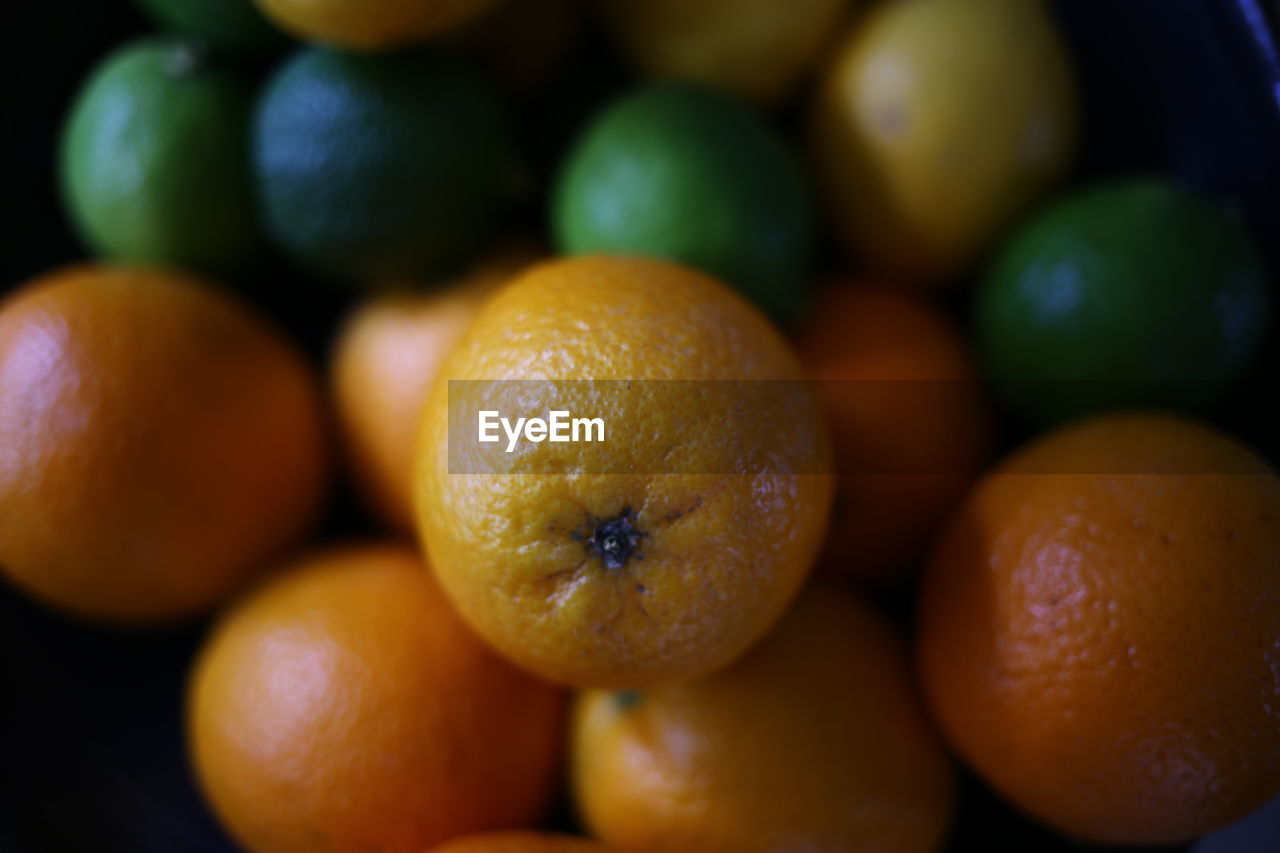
<point x="233" y="27"/>
<point x="154" y="162"/>
<point x="378" y="166"/>
<point x="1127" y="293"/>
<point x="694" y="177"/>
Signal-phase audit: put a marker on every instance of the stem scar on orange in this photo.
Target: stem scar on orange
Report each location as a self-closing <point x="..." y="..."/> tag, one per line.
<point x="591" y="577"/>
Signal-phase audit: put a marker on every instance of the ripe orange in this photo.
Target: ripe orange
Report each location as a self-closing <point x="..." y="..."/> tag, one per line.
<point x="815" y="740"/>
<point x="371" y="25"/>
<point x="158" y="443"/>
<point x="384" y="363"/>
<point x="910" y="422"/>
<point x="343" y="706"/>
<point x="520" y="842"/>
<point x="1104" y="646"/>
<point x="642" y="558"/>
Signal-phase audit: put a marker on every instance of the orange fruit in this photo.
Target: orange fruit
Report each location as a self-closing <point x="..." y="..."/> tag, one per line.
<point x="641" y="558"/>
<point x="815" y="740"/>
<point x="343" y="706"/>
<point x="520" y="842"/>
<point x="384" y="363"/>
<point x="909" y="420"/>
<point x="158" y="443"/>
<point x="1100" y="629"/>
<point x="370" y="25"/>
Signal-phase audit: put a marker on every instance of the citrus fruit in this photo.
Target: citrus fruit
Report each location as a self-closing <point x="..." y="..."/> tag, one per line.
<point x="154" y="162"/>
<point x="158" y="443"/>
<point x="370" y="25"/>
<point x="936" y="123"/>
<point x="662" y="552"/>
<point x="1127" y="293"/>
<point x="342" y="706"/>
<point x="520" y="842"/>
<point x="377" y="167"/>
<point x="757" y="49"/>
<point x="694" y="177"/>
<point x="233" y="27"/>
<point x="1100" y="629"/>
<point x="815" y="740"/>
<point x="909" y="421"/>
<point x="385" y="360"/>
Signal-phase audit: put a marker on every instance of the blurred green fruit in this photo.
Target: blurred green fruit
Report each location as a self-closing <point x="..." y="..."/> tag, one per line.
<point x="377" y="167"/>
<point x="694" y="177"/>
<point x="1128" y="293"/>
<point x="155" y="159"/>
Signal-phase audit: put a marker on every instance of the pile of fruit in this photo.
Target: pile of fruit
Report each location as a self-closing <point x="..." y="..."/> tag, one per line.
<point x="682" y="629"/>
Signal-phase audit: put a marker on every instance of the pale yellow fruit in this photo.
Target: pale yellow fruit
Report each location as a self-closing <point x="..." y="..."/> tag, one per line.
<point x="936" y="124"/>
<point x="757" y="49"/>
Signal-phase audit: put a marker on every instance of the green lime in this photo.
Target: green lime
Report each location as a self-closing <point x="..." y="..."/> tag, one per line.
<point x="1128" y="293"/>
<point x="372" y="167"/>
<point x="155" y="159"/>
<point x="233" y="27"/>
<point x="694" y="177"/>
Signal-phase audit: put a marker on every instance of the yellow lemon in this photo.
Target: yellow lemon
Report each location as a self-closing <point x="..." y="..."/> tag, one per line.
<point x="937" y="122"/>
<point x="757" y="49"/>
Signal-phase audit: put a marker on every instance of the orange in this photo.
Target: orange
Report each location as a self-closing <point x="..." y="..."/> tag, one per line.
<point x="384" y="362"/>
<point x="641" y="558"/>
<point x="520" y="842"/>
<point x="1100" y="629"/>
<point x="158" y="443"/>
<point x="936" y="124"/>
<point x="815" y="740"/>
<point x="910" y="422"/>
<point x="342" y="706"/>
<point x="371" y="25"/>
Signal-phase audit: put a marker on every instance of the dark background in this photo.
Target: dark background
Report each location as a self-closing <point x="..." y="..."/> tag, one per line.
<point x="91" y="755"/>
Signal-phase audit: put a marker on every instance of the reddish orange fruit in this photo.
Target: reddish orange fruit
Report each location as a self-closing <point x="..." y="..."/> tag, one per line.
<point x="385" y="361"/>
<point x="343" y="706"/>
<point x="158" y="443"/>
<point x="1103" y="646"/>
<point x="814" y="740"/>
<point x="908" y="418"/>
